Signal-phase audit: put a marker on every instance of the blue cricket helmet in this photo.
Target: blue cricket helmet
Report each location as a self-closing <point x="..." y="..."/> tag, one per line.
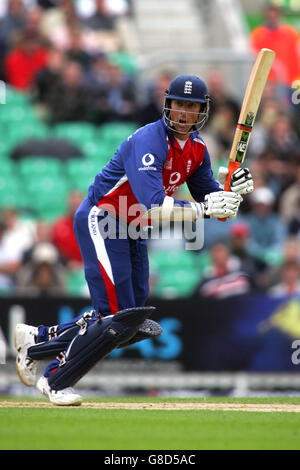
<point x="187" y="87"/>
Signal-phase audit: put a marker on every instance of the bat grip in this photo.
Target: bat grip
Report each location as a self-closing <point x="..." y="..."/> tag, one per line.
<point x="232" y="167"/>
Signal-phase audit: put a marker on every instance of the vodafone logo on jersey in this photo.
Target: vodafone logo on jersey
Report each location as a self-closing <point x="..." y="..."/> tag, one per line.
<point x="174" y="177"/>
<point x="147" y="160"/>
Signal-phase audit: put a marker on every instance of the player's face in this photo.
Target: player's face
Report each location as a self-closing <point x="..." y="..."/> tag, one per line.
<point x="184" y="115"/>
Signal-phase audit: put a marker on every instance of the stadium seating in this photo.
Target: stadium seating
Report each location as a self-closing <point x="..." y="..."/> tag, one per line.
<point x="116" y="132"/>
<point x="81" y="173"/>
<point x="76" y="283"/>
<point x="47" y="195"/>
<point x="36" y="167"/>
<point x="176" y="283"/>
<point x="11" y="193"/>
<point x="76" y="132"/>
<point x="177" y="272"/>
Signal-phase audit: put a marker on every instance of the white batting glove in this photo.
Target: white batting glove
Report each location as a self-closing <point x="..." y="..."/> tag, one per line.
<point x="222" y="204"/>
<point x="241" y="180"/>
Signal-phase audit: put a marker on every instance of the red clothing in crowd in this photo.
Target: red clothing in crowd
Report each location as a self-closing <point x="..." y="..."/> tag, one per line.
<point x="285" y="41"/>
<point x="65" y="241"/>
<point x="21" y="66"/>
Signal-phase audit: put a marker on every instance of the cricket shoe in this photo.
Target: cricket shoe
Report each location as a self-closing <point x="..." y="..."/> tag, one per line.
<point x="65" y="397"/>
<point x="24" y="337"/>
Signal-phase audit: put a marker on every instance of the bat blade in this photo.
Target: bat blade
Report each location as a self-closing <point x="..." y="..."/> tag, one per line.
<point x="250" y="105"/>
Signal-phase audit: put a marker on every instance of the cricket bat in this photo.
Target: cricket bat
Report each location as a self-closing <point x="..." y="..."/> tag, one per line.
<point x="251" y="101"/>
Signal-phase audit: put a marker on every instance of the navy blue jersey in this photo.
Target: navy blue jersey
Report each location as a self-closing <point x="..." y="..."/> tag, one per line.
<point x="150" y="165"/>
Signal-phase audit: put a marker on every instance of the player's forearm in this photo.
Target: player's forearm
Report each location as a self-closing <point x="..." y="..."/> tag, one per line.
<point x="220" y="204"/>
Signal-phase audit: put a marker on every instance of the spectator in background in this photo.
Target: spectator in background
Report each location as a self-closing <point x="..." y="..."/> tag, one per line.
<point x="224" y="277"/>
<point x="222" y="126"/>
<point x="67" y="100"/>
<point x="45" y="4"/>
<point x="25" y="61"/>
<point x="102" y="19"/>
<point x="43" y="274"/>
<point x="19" y="233"/>
<point x="220" y="97"/>
<point x="151" y="109"/>
<point x="277" y="161"/>
<point x="15" y="238"/>
<point x="283" y="139"/>
<point x="223" y="116"/>
<point x="42" y="236"/>
<point x="290" y="254"/>
<point x="284" y="40"/>
<point x="95" y="81"/>
<point x="116" y="100"/>
<point x="239" y="236"/>
<point x="289" y="200"/>
<point x="270" y="108"/>
<point x="10" y="262"/>
<point x="41" y="271"/>
<point x="76" y="49"/>
<point x="268" y="231"/>
<point x="294" y="224"/>
<point x="58" y="23"/>
<point x="289" y="284"/>
<point x="13" y="22"/>
<point x="33" y="23"/>
<point x="48" y="77"/>
<point x="101" y="28"/>
<point x="63" y="234"/>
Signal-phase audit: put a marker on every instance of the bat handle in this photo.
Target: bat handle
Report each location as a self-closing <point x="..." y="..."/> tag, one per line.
<point x="232" y="167"/>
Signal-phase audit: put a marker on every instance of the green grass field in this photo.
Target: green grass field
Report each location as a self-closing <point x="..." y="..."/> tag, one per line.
<point x="40" y="427"/>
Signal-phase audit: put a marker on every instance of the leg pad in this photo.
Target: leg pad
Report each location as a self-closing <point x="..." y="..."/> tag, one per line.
<point x="97" y="342"/>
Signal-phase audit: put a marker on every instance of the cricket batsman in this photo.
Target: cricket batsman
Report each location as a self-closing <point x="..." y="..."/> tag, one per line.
<point x="147" y="168"/>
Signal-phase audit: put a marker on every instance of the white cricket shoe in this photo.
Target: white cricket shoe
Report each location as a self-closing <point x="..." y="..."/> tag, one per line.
<point x="24" y="337"/>
<point x="65" y="397"/>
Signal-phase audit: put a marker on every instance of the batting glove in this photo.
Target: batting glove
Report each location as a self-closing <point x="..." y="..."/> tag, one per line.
<point x="222" y="204"/>
<point x="241" y="180"/>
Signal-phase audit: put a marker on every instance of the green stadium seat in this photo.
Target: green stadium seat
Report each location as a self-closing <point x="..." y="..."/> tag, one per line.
<point x="124" y="60"/>
<point x="47" y="195"/>
<point x="14" y="97"/>
<point x="116" y="132"/>
<point x="76" y="283"/>
<point x="76" y="132"/>
<point x="11" y="193"/>
<point x="81" y="173"/>
<point x="17" y="114"/>
<point x="7" y="167"/>
<point x="176" y="283"/>
<point x="174" y="259"/>
<point x="98" y="150"/>
<point x="24" y="131"/>
<point x="35" y="167"/>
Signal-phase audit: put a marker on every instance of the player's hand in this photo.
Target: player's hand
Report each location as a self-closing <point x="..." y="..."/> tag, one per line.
<point x="241" y="180"/>
<point x="222" y="204"/>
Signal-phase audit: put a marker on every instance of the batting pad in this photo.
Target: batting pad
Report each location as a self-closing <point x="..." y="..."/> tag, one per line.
<point x="96" y="343"/>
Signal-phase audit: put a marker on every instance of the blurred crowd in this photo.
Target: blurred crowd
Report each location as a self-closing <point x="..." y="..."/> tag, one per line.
<point x="63" y="57"/>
